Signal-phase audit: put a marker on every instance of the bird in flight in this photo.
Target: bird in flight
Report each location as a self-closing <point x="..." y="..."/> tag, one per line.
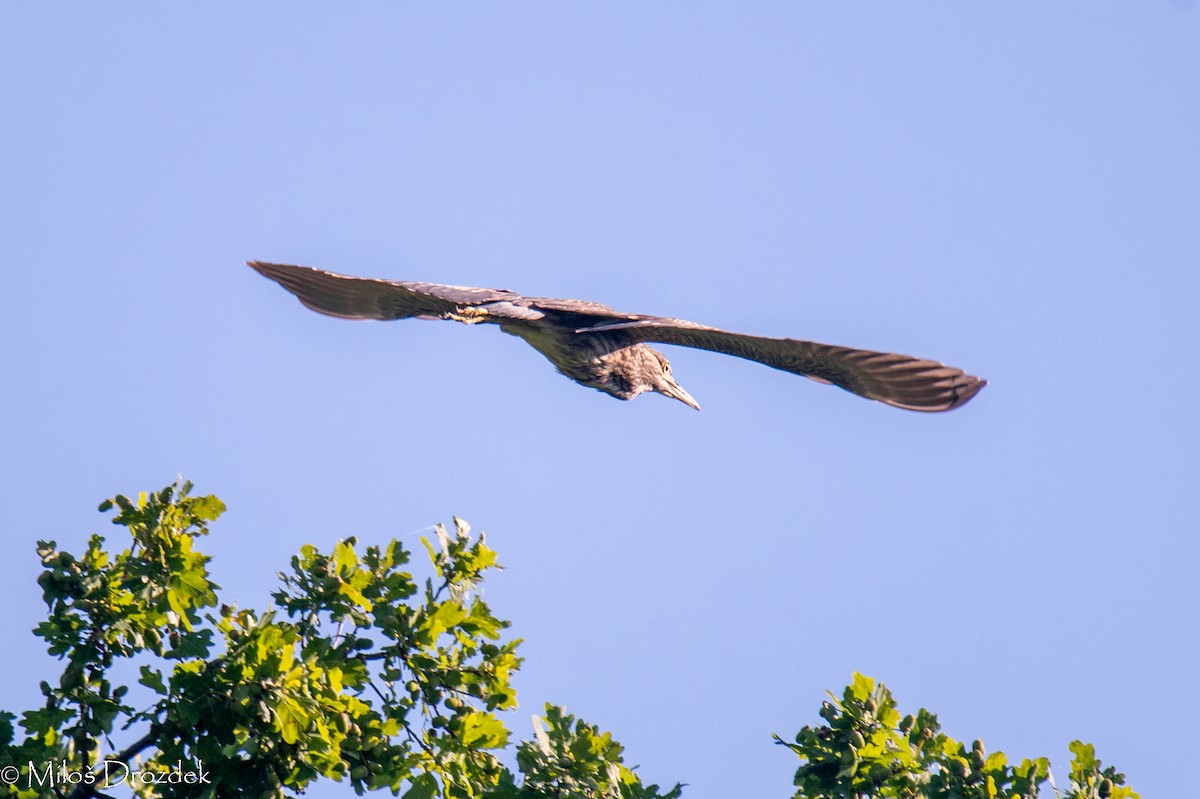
<point x="607" y="350"/>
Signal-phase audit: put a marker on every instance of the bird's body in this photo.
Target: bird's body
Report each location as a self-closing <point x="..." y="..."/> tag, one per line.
<point x="605" y="349"/>
<point x="603" y="361"/>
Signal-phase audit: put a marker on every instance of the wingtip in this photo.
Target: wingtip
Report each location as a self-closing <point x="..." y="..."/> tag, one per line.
<point x="963" y="394"/>
<point x="273" y="270"/>
<point x="935" y="398"/>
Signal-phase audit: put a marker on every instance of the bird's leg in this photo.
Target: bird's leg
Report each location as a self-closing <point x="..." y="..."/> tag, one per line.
<point x="467" y="314"/>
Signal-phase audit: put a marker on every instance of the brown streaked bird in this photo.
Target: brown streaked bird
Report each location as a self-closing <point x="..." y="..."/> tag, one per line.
<point x="607" y="350"/>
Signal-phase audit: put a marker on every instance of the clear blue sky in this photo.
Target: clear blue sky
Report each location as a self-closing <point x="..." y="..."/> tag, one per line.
<point x="1011" y="188"/>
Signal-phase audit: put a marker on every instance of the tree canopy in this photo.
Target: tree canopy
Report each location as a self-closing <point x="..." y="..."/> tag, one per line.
<point x="363" y="674"/>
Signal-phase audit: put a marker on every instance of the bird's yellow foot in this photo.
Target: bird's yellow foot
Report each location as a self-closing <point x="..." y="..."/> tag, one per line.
<point x="468" y="314"/>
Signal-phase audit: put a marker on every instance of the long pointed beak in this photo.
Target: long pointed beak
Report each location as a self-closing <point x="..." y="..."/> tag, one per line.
<point x="675" y="391"/>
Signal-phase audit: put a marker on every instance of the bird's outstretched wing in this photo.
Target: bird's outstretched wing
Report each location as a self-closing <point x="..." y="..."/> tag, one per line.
<point x="903" y="381"/>
<point x="350" y="297"/>
<point x="364" y="298"/>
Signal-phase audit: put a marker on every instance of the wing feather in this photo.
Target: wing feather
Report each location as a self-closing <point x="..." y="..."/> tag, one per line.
<point x="365" y="298"/>
<point x="581" y="308"/>
<point x="903" y="381"/>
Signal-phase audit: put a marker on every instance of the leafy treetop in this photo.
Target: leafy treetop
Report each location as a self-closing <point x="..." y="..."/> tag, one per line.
<point x="363" y="674"/>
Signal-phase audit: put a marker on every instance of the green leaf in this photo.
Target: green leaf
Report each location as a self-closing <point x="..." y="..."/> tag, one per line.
<point x="290" y="719"/>
<point x="208" y="508"/>
<point x="434" y="556"/>
<point x="483" y="731"/>
<point x="354" y="595"/>
<point x="344" y="557"/>
<point x="444" y="616"/>
<point x="1084" y="759"/>
<point x="862" y="687"/>
<point x="153" y="679"/>
<point x="177" y="605"/>
<point x="423" y="786"/>
<point x="194" y="580"/>
<point x="193" y="645"/>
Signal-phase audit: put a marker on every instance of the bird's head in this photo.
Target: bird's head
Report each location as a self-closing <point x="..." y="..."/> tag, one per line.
<point x="625" y="371"/>
<point x="663" y="382"/>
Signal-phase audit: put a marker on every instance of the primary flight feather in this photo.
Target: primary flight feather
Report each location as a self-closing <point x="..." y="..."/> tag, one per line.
<point x="607" y="350"/>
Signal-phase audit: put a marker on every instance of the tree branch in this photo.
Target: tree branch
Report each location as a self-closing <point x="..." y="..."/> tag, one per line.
<point x="88" y="791"/>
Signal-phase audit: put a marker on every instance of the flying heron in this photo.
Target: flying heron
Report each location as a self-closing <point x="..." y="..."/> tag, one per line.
<point x="607" y="350"/>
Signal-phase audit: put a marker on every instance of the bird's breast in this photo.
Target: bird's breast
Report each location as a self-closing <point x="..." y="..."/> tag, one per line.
<point x="582" y="357"/>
